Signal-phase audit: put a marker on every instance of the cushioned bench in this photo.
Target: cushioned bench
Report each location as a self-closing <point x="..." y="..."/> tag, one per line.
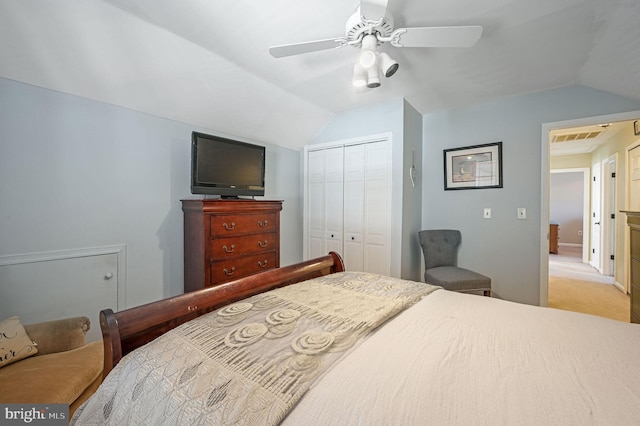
<point x="64" y="370"/>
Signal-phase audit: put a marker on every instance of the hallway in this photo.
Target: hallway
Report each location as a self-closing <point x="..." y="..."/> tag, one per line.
<point x="576" y="286"/>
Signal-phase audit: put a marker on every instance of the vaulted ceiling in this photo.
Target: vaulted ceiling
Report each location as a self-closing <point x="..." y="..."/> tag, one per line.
<point x="206" y="62"/>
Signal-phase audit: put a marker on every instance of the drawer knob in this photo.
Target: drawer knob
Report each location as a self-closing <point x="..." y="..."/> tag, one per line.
<point x="229" y="272"/>
<point x="263" y="224"/>
<point x="262" y="264"/>
<point x="263" y="244"/>
<point x="229" y="250"/>
<point x="229" y="227"/>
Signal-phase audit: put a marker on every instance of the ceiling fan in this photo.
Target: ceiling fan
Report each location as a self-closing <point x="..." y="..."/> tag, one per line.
<point x="370" y="26"/>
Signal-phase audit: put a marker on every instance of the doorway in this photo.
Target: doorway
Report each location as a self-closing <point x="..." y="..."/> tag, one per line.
<point x="547" y="128"/>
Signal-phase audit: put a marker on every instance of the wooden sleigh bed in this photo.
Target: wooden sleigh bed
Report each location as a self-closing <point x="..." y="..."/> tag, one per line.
<point x="313" y="344"/>
<point x="124" y="331"/>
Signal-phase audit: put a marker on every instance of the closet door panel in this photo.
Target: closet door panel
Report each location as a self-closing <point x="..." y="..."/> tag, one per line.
<point x="376" y="208"/>
<point x="354" y="207"/>
<point x="376" y="260"/>
<point x="315" y="213"/>
<point x="333" y="200"/>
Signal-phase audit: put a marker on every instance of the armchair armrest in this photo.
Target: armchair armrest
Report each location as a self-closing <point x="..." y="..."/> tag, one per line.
<point x="58" y="335"/>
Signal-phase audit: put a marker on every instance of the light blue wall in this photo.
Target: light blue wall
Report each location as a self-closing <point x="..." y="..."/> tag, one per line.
<point x="412" y="195"/>
<point x="76" y="173"/>
<point x="503" y="247"/>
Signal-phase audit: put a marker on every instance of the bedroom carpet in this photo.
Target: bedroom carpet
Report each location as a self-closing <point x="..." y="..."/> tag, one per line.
<point x="575" y="286"/>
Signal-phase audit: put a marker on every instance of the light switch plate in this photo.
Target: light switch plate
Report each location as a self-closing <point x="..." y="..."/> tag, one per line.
<point x="487" y="213"/>
<point x="522" y="213"/>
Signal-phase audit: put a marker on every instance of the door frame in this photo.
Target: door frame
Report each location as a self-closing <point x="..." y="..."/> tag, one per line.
<point x="544" y="185"/>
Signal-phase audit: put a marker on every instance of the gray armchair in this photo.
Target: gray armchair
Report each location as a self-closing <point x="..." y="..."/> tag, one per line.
<point x="440" y="249"/>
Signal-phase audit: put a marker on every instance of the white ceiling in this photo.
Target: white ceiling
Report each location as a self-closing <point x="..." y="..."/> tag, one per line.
<point x="205" y="62"/>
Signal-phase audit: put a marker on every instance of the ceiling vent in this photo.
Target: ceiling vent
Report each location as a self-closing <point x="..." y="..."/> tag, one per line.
<point x="578" y="134"/>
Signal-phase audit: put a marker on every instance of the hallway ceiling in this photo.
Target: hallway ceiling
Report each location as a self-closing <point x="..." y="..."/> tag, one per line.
<point x="583" y="140"/>
<point x="206" y="62"/>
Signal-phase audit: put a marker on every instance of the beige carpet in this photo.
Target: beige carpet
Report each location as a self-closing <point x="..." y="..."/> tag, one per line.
<point x="575" y="286"/>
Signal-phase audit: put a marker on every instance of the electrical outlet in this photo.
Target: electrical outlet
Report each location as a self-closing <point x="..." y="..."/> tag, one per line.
<point x="487" y="213"/>
<point x="522" y="213"/>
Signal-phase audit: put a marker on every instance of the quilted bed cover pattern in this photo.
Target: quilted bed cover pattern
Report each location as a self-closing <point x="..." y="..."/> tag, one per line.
<point x="250" y="362"/>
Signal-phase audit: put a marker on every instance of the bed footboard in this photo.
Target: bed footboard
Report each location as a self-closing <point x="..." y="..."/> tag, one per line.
<point x="126" y="330"/>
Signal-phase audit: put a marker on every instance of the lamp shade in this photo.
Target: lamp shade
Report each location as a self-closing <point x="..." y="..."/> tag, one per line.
<point x="387" y="65"/>
<point x="359" y="76"/>
<point x="373" y="78"/>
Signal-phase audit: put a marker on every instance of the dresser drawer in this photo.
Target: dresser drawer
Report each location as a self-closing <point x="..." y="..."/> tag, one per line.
<point x="227" y="270"/>
<point x="224" y="248"/>
<point x="635" y="243"/>
<point x="237" y="224"/>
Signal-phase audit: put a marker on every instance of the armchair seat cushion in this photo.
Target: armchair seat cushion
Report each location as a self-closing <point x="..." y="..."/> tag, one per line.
<point x="457" y="279"/>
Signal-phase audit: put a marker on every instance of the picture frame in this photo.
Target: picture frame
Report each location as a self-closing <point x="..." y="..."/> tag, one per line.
<point x="636" y="128"/>
<point x="473" y="167"/>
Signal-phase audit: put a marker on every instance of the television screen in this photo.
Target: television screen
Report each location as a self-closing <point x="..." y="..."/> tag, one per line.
<point x="226" y="167"/>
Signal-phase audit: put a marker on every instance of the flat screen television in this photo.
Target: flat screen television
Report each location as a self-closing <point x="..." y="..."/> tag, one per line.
<point x="226" y="167"/>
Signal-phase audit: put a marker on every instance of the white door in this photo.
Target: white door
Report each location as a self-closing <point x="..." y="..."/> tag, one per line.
<point x="333" y="199"/>
<point x="325" y="204"/>
<point x="52" y="289"/>
<point x="348" y="204"/>
<point x="595" y="217"/>
<point x="377" y="201"/>
<point x="315" y="208"/>
<point x="608" y="223"/>
<point x="354" y="211"/>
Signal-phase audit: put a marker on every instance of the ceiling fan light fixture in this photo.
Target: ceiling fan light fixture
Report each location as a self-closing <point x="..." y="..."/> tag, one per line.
<point x="388" y="66"/>
<point x="373" y="78"/>
<point x="359" y="76"/>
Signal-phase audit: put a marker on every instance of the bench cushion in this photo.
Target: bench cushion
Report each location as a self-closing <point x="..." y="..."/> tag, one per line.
<point x="57" y="378"/>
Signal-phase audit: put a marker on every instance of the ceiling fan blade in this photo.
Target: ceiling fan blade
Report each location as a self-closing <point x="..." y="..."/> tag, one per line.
<point x="306" y="47"/>
<point x="373" y="9"/>
<point x="463" y="36"/>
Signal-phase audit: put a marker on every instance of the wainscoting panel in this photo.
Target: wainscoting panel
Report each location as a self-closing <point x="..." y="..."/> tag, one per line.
<point x="53" y="285"/>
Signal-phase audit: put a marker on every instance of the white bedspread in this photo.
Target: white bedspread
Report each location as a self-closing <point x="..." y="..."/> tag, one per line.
<point x="456" y="359"/>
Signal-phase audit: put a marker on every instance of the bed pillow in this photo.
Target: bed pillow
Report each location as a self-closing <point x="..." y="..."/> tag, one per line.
<point x="15" y="344"/>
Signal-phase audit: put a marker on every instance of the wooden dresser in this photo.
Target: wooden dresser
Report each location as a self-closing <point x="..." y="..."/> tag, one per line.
<point x="633" y="220"/>
<point x="553" y="238"/>
<point x="229" y="239"/>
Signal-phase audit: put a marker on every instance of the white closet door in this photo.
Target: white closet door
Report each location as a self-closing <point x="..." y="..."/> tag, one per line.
<point x="315" y="198"/>
<point x="348" y="207"/>
<point x="325" y="176"/>
<point x="354" y="207"/>
<point x="333" y="198"/>
<point x="376" y="208"/>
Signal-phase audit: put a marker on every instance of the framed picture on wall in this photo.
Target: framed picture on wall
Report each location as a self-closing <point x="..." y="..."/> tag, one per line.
<point x="473" y="167"/>
<point x="636" y="127"/>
